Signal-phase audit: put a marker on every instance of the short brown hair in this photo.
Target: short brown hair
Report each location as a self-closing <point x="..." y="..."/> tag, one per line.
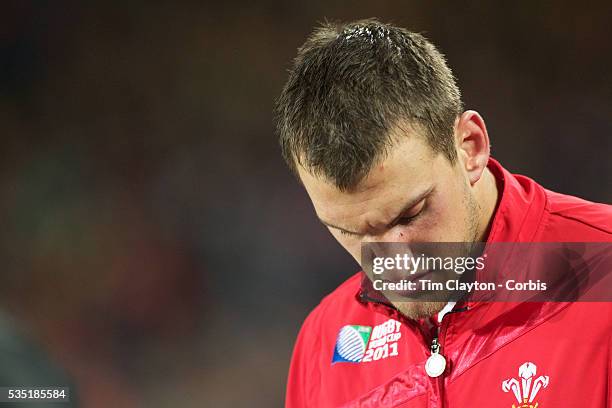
<point x="349" y="85"/>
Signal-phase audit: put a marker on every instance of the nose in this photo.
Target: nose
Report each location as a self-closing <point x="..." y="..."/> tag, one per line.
<point x="397" y="233"/>
<point x="387" y="243"/>
<point x="395" y="244"/>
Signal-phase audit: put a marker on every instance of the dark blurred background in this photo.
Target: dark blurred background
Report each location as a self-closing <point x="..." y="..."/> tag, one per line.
<point x="154" y="247"/>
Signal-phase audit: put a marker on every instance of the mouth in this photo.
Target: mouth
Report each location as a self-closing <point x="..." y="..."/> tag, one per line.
<point x="408" y="294"/>
<point x="408" y="278"/>
<point x="420" y="275"/>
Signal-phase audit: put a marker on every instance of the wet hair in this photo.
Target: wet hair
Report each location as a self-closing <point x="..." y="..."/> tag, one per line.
<point x="350" y="85"/>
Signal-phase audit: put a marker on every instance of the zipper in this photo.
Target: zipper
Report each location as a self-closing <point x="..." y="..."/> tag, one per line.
<point x="436" y="364"/>
<point x="443" y="327"/>
<point x="437" y="343"/>
<point x="435" y="346"/>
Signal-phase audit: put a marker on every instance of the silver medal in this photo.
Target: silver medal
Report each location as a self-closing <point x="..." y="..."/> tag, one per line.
<point x="435" y="365"/>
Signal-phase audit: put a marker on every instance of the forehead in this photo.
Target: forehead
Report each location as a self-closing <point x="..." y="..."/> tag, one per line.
<point x="406" y="170"/>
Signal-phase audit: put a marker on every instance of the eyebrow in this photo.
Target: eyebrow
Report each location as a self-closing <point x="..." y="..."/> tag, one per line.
<point x="414" y="201"/>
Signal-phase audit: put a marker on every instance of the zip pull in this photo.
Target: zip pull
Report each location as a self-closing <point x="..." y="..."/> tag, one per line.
<point x="436" y="363"/>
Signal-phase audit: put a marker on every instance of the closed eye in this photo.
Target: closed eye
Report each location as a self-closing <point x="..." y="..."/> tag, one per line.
<point x="347" y="233"/>
<point x="412" y="214"/>
<point x="408" y="220"/>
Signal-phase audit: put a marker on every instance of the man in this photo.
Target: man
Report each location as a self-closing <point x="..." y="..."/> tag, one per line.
<point x="372" y="123"/>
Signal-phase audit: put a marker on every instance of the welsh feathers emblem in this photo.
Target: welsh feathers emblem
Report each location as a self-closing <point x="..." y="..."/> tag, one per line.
<point x="526" y="390"/>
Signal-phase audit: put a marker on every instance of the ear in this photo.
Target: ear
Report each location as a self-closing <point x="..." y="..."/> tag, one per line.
<point x="472" y="144"/>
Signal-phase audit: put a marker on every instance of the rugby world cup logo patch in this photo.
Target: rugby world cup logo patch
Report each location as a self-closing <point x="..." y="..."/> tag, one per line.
<point x="351" y="344"/>
<point x="364" y="344"/>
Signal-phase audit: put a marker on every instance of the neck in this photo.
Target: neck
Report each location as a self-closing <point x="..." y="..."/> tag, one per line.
<point x="487" y="196"/>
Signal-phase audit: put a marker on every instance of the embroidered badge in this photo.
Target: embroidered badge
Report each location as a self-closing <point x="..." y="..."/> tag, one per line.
<point x="357" y="344"/>
<point x="526" y="387"/>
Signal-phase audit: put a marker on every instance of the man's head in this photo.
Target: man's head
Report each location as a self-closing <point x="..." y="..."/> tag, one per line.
<point x="371" y="121"/>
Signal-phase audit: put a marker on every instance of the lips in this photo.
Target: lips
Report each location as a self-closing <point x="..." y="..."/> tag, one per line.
<point x="420" y="275"/>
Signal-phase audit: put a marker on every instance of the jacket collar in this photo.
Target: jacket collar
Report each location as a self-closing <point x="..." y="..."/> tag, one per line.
<point x="520" y="209"/>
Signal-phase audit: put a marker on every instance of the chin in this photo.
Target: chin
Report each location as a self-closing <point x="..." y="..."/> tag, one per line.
<point x="419" y="310"/>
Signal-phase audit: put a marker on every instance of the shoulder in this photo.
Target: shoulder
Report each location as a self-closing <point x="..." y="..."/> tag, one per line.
<point x="575" y="219"/>
<point x="312" y="348"/>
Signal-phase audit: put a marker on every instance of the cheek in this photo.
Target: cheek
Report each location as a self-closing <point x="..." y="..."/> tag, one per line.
<point x="446" y="220"/>
<point x="447" y="210"/>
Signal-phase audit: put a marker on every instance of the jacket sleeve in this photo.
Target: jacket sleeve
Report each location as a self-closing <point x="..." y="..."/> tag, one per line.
<point x="609" y="397"/>
<point x="303" y="383"/>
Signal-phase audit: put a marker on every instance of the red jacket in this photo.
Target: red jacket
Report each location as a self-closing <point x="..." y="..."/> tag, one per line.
<point x="559" y="354"/>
